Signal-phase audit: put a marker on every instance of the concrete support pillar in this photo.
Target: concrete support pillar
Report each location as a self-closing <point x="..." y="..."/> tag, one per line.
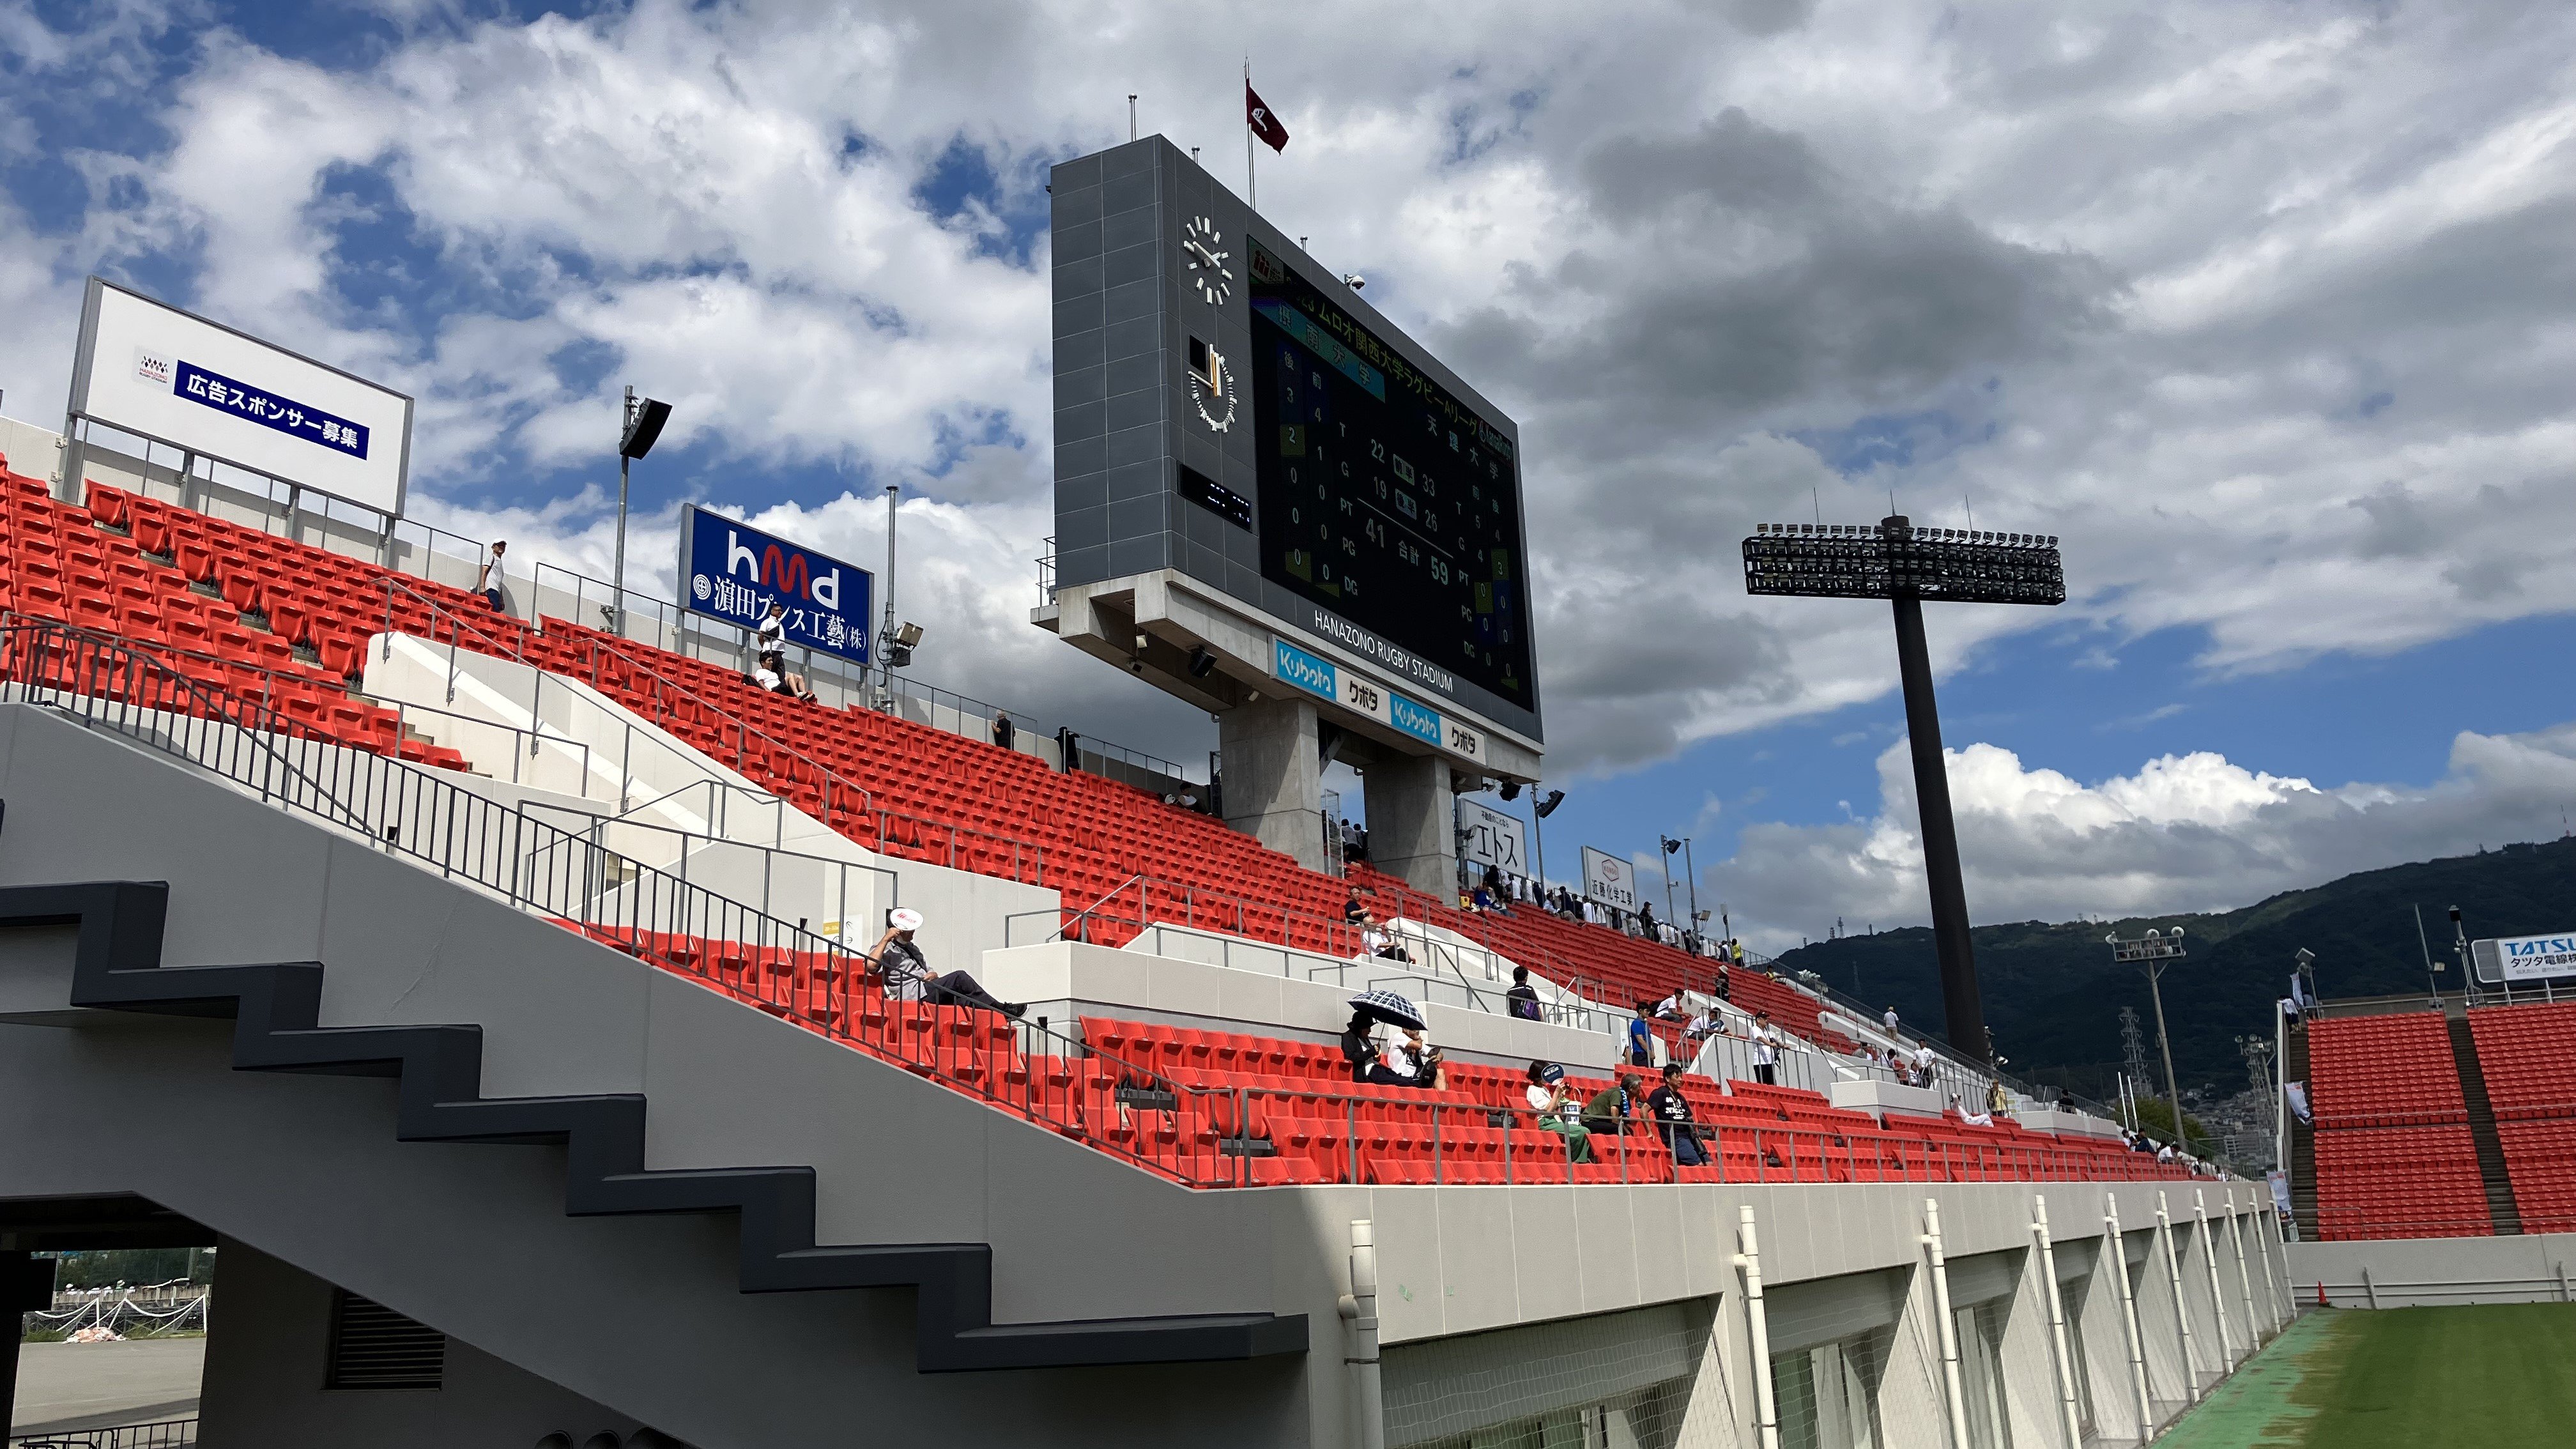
<point x="1412" y="822"/>
<point x="1273" y="782"/>
<point x="26" y="1285"/>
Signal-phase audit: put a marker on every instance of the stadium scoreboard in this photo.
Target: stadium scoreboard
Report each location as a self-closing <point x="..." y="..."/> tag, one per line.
<point x="1229" y="410"/>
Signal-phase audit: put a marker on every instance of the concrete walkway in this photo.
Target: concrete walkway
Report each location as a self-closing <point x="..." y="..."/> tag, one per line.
<point x="63" y="1387"/>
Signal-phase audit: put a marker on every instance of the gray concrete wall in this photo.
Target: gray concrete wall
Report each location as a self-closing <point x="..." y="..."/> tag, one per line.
<point x="466" y="1237"/>
<point x="2407" y="1272"/>
<point x="267" y="1363"/>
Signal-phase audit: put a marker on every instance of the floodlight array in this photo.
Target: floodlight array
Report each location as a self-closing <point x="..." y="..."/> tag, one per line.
<point x="1879" y="561"/>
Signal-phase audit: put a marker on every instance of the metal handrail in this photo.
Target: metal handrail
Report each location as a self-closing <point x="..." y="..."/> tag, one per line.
<point x="744" y="730"/>
<point x="456" y="627"/>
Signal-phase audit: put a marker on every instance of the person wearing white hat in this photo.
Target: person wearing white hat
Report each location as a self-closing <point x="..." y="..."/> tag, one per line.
<point x="908" y="977"/>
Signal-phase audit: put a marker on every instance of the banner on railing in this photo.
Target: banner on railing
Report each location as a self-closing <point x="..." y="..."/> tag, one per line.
<point x="1487" y="836"/>
<point x="1609" y="880"/>
<point x="734" y="572"/>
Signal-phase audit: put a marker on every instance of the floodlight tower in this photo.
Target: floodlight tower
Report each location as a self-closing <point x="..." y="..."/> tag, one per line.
<point x="2150" y="953"/>
<point x="1905" y="565"/>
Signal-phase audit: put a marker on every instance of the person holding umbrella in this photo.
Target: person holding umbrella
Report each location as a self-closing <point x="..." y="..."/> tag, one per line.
<point x="1411" y="1062"/>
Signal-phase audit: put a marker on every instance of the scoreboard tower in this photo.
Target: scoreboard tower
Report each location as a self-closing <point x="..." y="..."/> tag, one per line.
<point x="1273" y="504"/>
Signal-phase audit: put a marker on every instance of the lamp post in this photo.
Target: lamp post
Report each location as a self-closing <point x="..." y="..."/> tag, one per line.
<point x="1669" y="846"/>
<point x="1905" y="565"/>
<point x="640" y="427"/>
<point x="1540" y="809"/>
<point x="2151" y="953"/>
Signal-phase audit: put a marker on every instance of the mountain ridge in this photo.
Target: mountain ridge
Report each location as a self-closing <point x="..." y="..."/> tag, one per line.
<point x="2053" y="994"/>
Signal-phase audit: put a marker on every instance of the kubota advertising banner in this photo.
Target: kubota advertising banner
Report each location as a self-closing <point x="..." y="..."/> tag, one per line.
<point x="734" y="572"/>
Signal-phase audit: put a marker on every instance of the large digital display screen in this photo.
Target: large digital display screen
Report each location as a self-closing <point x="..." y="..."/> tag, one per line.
<point x="1383" y="498"/>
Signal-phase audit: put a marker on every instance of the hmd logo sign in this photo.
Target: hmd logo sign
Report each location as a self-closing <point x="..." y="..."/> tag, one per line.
<point x="734" y="572"/>
<point x="1310" y="672"/>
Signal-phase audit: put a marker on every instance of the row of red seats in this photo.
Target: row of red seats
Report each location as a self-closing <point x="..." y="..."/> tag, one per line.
<point x="2392" y="1070"/>
<point x="1094" y="833"/>
<point x="69" y="565"/>
<point x="2527" y="1054"/>
<point x="2399" y="1182"/>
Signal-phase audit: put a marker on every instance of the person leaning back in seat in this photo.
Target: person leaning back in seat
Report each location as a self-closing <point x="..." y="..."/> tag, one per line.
<point x="908" y="977"/>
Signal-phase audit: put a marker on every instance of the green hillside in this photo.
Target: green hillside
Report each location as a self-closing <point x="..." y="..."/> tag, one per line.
<point x="2053" y="997"/>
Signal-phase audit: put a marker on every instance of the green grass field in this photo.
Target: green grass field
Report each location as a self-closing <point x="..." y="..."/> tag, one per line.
<point x="2500" y="1376"/>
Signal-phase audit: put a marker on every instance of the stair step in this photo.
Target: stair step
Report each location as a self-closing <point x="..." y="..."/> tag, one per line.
<point x="2482" y="1129"/>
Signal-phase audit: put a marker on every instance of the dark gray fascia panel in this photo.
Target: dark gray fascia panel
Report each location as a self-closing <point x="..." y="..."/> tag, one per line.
<point x="275" y="1008"/>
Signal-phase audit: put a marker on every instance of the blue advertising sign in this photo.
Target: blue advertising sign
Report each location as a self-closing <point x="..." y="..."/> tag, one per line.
<point x="732" y="571"/>
<point x="286" y="415"/>
<point x="1307" y="671"/>
<point x="1413" y="719"/>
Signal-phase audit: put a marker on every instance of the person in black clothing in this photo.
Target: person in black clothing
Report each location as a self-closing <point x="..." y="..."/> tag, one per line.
<point x="1417" y="1065"/>
<point x="1523" y="997"/>
<point x="1725" y="983"/>
<point x="1352" y="911"/>
<point x="1672" y="1113"/>
<point x="1004" y="732"/>
<point x="908" y="977"/>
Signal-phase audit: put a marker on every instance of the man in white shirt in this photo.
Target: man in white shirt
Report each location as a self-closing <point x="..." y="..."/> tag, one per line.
<point x="487" y="579"/>
<point x="1766" y="1050"/>
<point x="1890" y="1019"/>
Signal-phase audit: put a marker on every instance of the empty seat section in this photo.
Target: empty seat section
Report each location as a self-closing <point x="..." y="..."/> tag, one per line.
<point x="2394" y="1158"/>
<point x="2528" y="1056"/>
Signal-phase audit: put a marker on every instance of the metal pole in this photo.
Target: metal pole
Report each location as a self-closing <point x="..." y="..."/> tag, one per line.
<point x="1251" y="176"/>
<point x="2129" y="1319"/>
<point x="1766" y="1406"/>
<point x="2173" y="1092"/>
<point x="1691" y="871"/>
<point x="1961" y="1008"/>
<point x="1359" y="1309"/>
<point x="2217" y="1300"/>
<point x="885" y="639"/>
<point x="1958" y="1400"/>
<point x="617" y="580"/>
<point x="2244" y="1274"/>
<point x="2057" y="1322"/>
<point x="1538" y="842"/>
<point x="2182" y="1315"/>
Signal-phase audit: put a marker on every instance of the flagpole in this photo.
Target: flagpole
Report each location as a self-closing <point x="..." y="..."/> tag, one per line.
<point x="1251" y="179"/>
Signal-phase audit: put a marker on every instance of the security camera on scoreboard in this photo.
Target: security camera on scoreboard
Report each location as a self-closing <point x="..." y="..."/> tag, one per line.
<point x="1270" y="483"/>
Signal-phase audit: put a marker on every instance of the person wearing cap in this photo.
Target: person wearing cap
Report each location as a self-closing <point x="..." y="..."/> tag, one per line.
<point x="1607" y="1113"/>
<point x="908" y="977"/>
<point x="1766" y="1050"/>
<point x="1672" y="1112"/>
<point x="487" y="579"/>
<point x="1556" y="1110"/>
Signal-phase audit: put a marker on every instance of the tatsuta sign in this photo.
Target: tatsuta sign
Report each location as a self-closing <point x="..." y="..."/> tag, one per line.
<point x="734" y="572"/>
<point x="2524" y="958"/>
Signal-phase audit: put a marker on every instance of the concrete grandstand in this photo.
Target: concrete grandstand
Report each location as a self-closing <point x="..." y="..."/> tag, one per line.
<point x="449" y="968"/>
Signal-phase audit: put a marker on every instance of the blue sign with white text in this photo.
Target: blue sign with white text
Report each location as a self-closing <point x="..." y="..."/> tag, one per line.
<point x="734" y="572"/>
<point x="1311" y="672"/>
<point x="269" y="410"/>
<point x="1413" y="719"/>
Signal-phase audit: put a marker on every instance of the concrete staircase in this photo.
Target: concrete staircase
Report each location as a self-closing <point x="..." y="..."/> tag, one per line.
<point x="2482" y="1127"/>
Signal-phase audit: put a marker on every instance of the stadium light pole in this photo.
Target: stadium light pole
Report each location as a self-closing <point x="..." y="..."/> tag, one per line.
<point x="1905" y="565"/>
<point x="2150" y="953"/>
<point x="640" y="429"/>
<point x="1669" y="845"/>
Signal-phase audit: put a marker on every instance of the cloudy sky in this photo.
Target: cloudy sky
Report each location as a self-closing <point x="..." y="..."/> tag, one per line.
<point x="2267" y="309"/>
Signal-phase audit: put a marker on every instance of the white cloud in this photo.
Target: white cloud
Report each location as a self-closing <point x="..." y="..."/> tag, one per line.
<point x="2267" y="311"/>
<point x="2184" y="833"/>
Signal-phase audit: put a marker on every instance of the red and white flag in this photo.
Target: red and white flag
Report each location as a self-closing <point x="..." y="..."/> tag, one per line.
<point x="1263" y="121"/>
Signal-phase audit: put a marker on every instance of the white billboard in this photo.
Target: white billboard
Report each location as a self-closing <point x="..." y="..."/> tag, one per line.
<point x="1609" y="880"/>
<point x="2524" y="958"/>
<point x="1489" y="837"/>
<point x="202" y="387"/>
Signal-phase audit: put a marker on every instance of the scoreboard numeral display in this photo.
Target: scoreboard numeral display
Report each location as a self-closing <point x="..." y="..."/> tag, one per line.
<point x="1383" y="497"/>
